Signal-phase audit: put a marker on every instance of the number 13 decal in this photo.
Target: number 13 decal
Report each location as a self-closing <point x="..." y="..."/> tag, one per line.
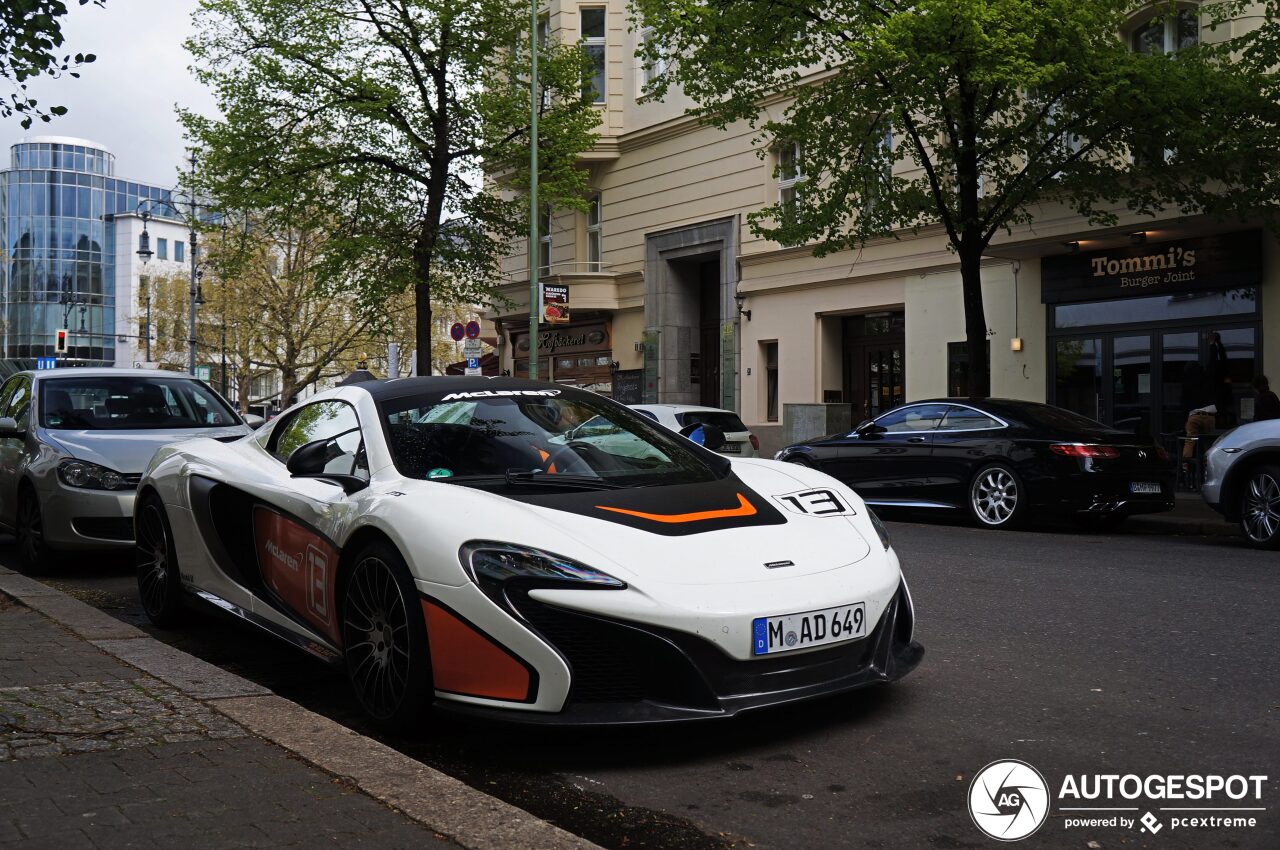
<point x="821" y="502"/>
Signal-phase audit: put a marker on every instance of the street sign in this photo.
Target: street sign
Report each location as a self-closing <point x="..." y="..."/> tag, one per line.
<point x="473" y="329"/>
<point x="46" y="363"/>
<point x="471" y="349"/>
<point x="204" y="372"/>
<point x="457" y="331"/>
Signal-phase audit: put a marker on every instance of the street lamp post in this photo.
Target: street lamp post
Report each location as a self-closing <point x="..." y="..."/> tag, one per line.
<point x="145" y="253"/>
<point x="533" y="190"/>
<point x="70" y="300"/>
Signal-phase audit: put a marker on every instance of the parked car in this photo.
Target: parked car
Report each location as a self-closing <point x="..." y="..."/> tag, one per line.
<point x="997" y="459"/>
<point x="74" y="444"/>
<point x="738" y="439"/>
<point x="450" y="542"/>
<point x="1242" y="480"/>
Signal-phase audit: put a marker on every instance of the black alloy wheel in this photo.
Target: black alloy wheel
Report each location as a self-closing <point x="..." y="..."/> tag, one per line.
<point x="1260" y="508"/>
<point x="159" y="580"/>
<point x="385" y="639"/>
<point x="997" y="498"/>
<point x="36" y="555"/>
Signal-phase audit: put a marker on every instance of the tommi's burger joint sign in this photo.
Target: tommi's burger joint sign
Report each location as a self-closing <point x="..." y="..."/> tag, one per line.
<point x="1225" y="261"/>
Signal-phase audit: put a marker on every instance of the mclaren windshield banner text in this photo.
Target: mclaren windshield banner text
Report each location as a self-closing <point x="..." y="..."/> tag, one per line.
<point x="500" y="394"/>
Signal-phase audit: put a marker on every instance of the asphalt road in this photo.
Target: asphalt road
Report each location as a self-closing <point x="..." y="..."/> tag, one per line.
<point x="1077" y="653"/>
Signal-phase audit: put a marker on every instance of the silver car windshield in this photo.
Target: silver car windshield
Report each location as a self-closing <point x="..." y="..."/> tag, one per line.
<point x="132" y="403"/>
<point x="573" y="435"/>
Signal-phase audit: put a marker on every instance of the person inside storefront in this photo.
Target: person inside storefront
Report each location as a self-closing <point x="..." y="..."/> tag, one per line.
<point x="1266" y="405"/>
<point x="1219" y="377"/>
<point x="1200" y="421"/>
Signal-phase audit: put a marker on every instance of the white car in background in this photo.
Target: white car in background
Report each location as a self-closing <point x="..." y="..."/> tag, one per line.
<point x="738" y="440"/>
<point x="1242" y="480"/>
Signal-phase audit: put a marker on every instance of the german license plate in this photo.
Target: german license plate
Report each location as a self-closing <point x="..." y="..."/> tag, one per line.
<point x="814" y="628"/>
<point x="731" y="449"/>
<point x="1144" y="487"/>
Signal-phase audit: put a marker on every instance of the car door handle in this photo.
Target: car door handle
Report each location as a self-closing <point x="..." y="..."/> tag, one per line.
<point x="917" y="439"/>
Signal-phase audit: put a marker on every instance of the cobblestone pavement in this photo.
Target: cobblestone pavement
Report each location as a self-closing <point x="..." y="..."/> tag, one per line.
<point x="95" y="754"/>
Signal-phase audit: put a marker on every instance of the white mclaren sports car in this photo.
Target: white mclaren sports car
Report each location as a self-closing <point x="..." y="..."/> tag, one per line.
<point x="452" y="544"/>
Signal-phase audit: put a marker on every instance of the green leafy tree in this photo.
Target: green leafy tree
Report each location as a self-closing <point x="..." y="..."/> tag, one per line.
<point x="971" y="114"/>
<point x="30" y="38"/>
<point x="387" y="110"/>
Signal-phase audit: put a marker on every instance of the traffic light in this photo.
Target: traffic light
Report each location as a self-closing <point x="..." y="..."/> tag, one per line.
<point x="60" y="341"/>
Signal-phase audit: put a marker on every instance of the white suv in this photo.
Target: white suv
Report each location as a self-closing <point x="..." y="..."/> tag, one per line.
<point x="738" y="441"/>
<point x="1242" y="480"/>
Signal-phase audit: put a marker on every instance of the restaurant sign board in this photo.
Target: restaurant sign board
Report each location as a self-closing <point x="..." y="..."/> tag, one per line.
<point x="1222" y="261"/>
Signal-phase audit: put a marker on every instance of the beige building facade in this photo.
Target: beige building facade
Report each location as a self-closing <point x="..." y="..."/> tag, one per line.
<point x="674" y="299"/>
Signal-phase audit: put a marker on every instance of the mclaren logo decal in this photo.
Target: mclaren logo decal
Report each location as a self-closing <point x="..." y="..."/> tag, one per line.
<point x="744" y="508"/>
<point x="500" y="394"/>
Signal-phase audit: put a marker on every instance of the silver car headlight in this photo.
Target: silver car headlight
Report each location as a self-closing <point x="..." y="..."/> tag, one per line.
<point x="91" y="476"/>
<point x="493" y="564"/>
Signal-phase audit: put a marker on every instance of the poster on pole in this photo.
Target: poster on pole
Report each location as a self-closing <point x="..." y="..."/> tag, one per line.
<point x="555" y="303"/>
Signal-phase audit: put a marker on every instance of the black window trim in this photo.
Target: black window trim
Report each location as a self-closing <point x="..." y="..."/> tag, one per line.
<point x="283" y="423"/>
<point x="985" y="413"/>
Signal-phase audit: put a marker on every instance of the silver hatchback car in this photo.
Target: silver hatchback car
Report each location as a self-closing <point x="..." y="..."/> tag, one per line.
<point x="75" y="442"/>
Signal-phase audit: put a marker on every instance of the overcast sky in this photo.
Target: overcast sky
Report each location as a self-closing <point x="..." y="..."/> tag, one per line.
<point x="125" y="100"/>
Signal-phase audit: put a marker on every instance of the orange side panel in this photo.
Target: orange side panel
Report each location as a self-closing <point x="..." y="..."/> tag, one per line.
<point x="464" y="661"/>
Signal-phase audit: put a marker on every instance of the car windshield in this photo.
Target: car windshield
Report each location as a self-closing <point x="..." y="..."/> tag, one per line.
<point x="130" y="403"/>
<point x="1057" y="417"/>
<point x="568" y="436"/>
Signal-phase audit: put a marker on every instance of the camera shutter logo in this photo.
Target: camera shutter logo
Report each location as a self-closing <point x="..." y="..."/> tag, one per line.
<point x="1008" y="800"/>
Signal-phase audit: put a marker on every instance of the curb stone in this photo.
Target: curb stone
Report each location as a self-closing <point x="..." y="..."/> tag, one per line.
<point x="448" y="806"/>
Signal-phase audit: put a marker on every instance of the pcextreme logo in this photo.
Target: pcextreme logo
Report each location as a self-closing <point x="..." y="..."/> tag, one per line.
<point x="1009" y="800"/>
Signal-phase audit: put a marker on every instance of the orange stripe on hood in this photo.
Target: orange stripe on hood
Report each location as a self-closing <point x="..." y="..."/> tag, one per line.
<point x="744" y="508"/>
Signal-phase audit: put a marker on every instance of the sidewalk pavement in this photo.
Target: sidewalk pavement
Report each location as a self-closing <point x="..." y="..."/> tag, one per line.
<point x="1190" y="516"/>
<point x="111" y="739"/>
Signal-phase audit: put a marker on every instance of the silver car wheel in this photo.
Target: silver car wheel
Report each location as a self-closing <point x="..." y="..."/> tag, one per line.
<point x="994" y="496"/>
<point x="1260" y="517"/>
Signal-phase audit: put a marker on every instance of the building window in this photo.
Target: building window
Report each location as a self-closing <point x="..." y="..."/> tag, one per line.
<point x="790" y="173"/>
<point x="162" y="249"/>
<point x="544" y="242"/>
<point x="958" y="368"/>
<point x="178" y="251"/>
<point x="593" y="43"/>
<point x="1167" y="33"/>
<point x="770" y="352"/>
<point x="652" y="69"/>
<point x="593" y="233"/>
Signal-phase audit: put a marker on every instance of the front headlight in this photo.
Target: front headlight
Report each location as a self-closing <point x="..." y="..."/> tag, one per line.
<point x="881" y="531"/>
<point x="90" y="476"/>
<point x="492" y="564"/>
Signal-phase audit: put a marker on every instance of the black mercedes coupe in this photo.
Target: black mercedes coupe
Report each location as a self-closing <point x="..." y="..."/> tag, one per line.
<point x="998" y="459"/>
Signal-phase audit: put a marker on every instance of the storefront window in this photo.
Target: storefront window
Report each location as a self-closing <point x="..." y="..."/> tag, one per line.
<point x="1157" y="308"/>
<point x="1078" y="376"/>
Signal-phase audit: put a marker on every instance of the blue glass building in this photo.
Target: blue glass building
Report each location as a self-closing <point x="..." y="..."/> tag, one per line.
<point x="58" y="205"/>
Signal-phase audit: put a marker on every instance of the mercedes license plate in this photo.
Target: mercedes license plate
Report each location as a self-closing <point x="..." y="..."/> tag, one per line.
<point x="731" y="448"/>
<point x="1144" y="487"/>
<point x="813" y="628"/>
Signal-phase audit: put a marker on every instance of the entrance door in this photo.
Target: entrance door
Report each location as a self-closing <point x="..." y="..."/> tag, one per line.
<point x="706" y="372"/>
<point x="875" y="381"/>
<point x="1146" y="382"/>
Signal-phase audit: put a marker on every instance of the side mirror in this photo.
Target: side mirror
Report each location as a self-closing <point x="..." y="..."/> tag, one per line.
<point x="712" y="437"/>
<point x="867" y="427"/>
<point x="253" y="420"/>
<point x="9" y="427"/>
<point x="310" y="460"/>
